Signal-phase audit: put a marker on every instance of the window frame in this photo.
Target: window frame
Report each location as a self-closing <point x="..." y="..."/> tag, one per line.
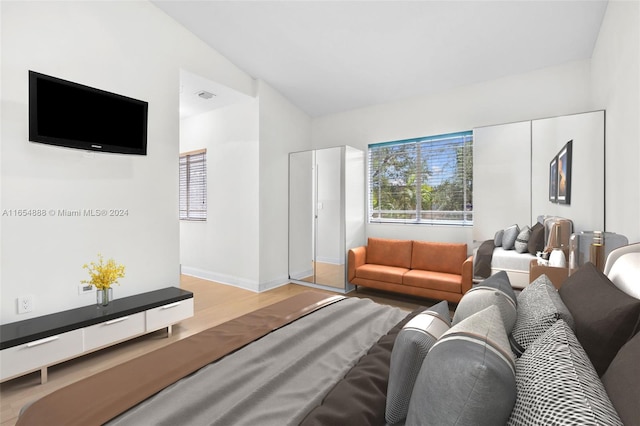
<point x="416" y="215"/>
<point x="191" y="163"/>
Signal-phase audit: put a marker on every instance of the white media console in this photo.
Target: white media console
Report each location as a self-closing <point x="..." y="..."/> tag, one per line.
<point x="37" y="343"/>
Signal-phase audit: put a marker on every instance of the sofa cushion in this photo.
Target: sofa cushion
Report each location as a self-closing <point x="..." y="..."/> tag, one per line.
<point x="522" y="240"/>
<point x="536" y="239"/>
<point x="539" y="307"/>
<point x="622" y="382"/>
<point x="556" y="384"/>
<point x="390" y="274"/>
<point x="438" y="257"/>
<point x="495" y="290"/>
<point x="509" y="237"/>
<point x="382" y="251"/>
<point x="605" y="316"/>
<point x="433" y="280"/>
<point x="468" y="376"/>
<point x="410" y="348"/>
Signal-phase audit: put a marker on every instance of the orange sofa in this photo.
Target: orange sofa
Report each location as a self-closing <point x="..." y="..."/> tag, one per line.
<point x="440" y="271"/>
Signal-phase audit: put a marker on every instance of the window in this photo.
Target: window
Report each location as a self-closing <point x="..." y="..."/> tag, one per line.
<point x="425" y="180"/>
<point x="193" y="185"/>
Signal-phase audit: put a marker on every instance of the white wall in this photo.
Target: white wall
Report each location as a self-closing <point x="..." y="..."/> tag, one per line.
<point x="131" y="48"/>
<point x="544" y="93"/>
<point x="225" y="248"/>
<point x="615" y="86"/>
<point x="548" y="137"/>
<point x="283" y="129"/>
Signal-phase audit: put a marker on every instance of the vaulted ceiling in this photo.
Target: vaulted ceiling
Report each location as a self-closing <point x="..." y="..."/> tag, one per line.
<point x="331" y="56"/>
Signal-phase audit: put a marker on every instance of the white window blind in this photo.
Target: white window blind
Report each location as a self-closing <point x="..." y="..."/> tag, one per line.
<point x="424" y="180"/>
<point x="193" y="185"/>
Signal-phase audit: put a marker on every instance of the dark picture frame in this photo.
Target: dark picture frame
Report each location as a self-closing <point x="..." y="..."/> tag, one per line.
<point x="553" y="180"/>
<point x="564" y="173"/>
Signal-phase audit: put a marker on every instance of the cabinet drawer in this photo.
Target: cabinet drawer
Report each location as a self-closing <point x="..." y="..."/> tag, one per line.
<point x="112" y="331"/>
<point x="40" y="353"/>
<point x="166" y="315"/>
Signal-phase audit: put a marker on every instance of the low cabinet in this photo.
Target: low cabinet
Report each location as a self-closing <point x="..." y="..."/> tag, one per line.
<point x="37" y="343"/>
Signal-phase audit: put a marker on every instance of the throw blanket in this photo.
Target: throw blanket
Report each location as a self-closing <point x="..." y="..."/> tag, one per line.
<point x="276" y="380"/>
<point x="105" y="395"/>
<point x="482" y="261"/>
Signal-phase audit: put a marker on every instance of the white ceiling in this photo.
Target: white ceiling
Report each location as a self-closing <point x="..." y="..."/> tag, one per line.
<point x="332" y="56"/>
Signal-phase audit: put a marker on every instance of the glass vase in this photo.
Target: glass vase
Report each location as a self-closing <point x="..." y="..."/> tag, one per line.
<point x="104" y="296"/>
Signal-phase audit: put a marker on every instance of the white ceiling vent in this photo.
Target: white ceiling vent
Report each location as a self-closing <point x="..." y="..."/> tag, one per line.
<point x="205" y="95"/>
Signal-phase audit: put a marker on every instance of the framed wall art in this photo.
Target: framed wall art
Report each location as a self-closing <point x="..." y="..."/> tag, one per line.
<point x="564" y="173"/>
<point x="553" y="180"/>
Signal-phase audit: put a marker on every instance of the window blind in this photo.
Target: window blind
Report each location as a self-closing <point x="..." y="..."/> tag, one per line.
<point x="193" y="185"/>
<point x="422" y="180"/>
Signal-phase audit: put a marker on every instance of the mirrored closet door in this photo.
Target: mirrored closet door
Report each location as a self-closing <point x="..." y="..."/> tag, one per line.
<point x="326" y="214"/>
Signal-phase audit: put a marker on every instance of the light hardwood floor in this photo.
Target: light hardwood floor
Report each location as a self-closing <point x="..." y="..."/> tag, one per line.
<point x="213" y="304"/>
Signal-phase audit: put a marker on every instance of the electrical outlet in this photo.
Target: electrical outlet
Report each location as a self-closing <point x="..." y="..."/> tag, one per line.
<point x="25" y="304"/>
<point x="85" y="289"/>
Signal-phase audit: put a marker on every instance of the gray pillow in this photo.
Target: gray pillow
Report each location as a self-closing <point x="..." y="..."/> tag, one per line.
<point x="557" y="384"/>
<point x="409" y="350"/>
<point x="522" y="240"/>
<point x="622" y="382"/>
<point x="509" y="237"/>
<point x="468" y="377"/>
<point x="497" y="239"/>
<point x="539" y="307"/>
<point x="500" y="281"/>
<point x="495" y="290"/>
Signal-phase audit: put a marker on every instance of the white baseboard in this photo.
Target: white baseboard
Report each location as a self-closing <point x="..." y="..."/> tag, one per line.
<point x="233" y="280"/>
<point x="222" y="278"/>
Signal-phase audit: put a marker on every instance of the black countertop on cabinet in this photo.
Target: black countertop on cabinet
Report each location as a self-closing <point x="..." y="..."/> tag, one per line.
<point x="19" y="332"/>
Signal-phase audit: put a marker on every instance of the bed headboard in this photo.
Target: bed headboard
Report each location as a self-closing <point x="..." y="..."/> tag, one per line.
<point x="623" y="269"/>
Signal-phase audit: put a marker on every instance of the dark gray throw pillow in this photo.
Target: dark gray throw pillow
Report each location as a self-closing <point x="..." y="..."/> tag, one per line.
<point x="509" y="237"/>
<point x="557" y="384"/>
<point x="536" y="239"/>
<point x="605" y="316"/>
<point x="409" y="350"/>
<point x="468" y="377"/>
<point x="622" y="382"/>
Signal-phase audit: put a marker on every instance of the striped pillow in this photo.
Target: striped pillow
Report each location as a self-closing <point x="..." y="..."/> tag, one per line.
<point x="409" y="350"/>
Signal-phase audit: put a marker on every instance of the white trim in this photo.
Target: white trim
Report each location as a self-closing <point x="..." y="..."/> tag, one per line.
<point x="221" y="278"/>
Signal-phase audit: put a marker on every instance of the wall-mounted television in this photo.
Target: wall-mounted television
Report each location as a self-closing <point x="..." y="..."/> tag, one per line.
<point x="73" y="115"/>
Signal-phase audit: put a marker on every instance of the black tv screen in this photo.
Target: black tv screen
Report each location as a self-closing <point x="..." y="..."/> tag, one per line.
<point x="69" y="114"/>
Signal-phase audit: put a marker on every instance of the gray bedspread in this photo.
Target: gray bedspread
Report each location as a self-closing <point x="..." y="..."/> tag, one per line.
<point x="277" y="379"/>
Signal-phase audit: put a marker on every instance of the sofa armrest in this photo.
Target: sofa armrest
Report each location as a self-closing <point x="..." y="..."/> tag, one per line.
<point x="467" y="274"/>
<point x="357" y="257"/>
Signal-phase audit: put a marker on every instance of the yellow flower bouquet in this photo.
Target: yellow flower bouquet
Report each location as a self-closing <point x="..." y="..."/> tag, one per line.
<point x="103" y="276"/>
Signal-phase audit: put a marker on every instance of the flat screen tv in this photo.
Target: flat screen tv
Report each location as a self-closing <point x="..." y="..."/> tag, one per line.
<point x="72" y="115"/>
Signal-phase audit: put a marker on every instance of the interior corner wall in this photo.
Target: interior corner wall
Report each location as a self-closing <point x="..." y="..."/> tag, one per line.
<point x="130" y="48"/>
<point x="615" y="87"/>
<point x="548" y="92"/>
<point x="224" y="248"/>
<point x="284" y="128"/>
